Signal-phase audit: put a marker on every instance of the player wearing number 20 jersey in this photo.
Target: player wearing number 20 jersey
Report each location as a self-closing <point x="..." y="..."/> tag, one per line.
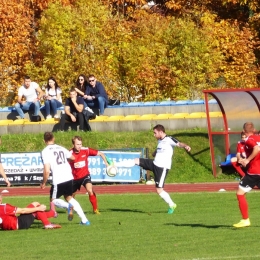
<point x="54" y="159"/>
<point x="56" y="156"/>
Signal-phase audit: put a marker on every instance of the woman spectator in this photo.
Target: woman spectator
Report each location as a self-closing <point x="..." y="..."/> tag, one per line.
<point x="52" y="98"/>
<point x="81" y="85"/>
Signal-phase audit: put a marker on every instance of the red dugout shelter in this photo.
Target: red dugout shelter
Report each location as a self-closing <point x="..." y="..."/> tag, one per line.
<point x="237" y="106"/>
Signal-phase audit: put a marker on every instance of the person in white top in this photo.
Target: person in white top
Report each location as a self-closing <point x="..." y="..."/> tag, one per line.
<point x="161" y="163"/>
<point x="32" y="94"/>
<point x="55" y="160"/>
<point x="52" y="98"/>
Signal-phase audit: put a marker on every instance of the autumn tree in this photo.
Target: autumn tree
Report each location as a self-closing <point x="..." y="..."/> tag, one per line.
<point x="16" y="46"/>
<point x="72" y="41"/>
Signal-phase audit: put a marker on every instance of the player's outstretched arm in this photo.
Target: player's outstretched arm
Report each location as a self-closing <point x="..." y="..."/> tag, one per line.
<point x="104" y="158"/>
<point x="185" y="146"/>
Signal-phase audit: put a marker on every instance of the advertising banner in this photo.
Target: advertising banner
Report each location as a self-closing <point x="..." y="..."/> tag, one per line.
<point x="27" y="168"/>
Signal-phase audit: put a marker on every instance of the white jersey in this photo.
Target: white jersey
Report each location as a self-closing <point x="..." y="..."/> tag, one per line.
<point x="56" y="156"/>
<point x="164" y="152"/>
<point x="29" y="93"/>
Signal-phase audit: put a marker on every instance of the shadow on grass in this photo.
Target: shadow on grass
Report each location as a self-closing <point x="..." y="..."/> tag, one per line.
<point x="197" y="153"/>
<point x="200" y="225"/>
<point x="133" y="210"/>
<point x="124" y="210"/>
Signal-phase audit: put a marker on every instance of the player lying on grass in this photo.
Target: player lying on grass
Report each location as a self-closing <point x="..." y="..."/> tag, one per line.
<point x="161" y="163"/>
<point x="10" y="221"/>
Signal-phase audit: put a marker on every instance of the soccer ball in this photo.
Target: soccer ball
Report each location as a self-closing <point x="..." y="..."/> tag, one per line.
<point x="111" y="171"/>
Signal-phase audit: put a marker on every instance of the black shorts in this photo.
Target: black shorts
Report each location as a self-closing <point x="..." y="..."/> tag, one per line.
<point x="61" y="189"/>
<point x="25" y="221"/>
<point x="250" y="181"/>
<point x="82" y="181"/>
<point x="159" y="172"/>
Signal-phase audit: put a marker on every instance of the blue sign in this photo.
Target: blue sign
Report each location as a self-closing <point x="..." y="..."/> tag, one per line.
<point x="27" y="168"/>
<point x="97" y="168"/>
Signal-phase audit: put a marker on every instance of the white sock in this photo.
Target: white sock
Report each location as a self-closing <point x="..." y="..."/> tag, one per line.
<point x="166" y="197"/>
<point x="59" y="203"/>
<point x="78" y="209"/>
<point x="125" y="163"/>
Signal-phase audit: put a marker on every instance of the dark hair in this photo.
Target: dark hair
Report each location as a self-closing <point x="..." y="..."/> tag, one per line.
<point x="76" y="138"/>
<point x="79" y="86"/>
<point x="56" y="84"/>
<point x="48" y="136"/>
<point x="27" y="77"/>
<point x="159" y="128"/>
<point x="242" y="133"/>
<point x="72" y="89"/>
<point x="91" y="76"/>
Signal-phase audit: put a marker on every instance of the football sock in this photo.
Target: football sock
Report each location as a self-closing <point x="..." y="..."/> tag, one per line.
<point x="166" y="197"/>
<point x="93" y="200"/>
<point x="238" y="168"/>
<point x="50" y="213"/>
<point x="243" y="206"/>
<point x="59" y="203"/>
<point x="42" y="216"/>
<point x="76" y="206"/>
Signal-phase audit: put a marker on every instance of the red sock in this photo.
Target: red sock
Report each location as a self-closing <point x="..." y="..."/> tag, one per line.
<point x="243" y="206"/>
<point x="238" y="168"/>
<point x="93" y="200"/>
<point x="42" y="216"/>
<point x="50" y="214"/>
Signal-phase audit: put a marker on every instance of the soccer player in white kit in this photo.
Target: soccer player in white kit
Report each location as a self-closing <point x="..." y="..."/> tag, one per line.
<point x="54" y="159"/>
<point x="161" y="163"/>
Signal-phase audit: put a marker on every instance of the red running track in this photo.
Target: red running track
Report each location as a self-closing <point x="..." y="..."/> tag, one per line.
<point x="128" y="188"/>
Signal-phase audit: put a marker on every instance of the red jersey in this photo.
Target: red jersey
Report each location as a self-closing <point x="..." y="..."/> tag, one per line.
<point x="254" y="164"/>
<point x="241" y="148"/>
<point x="80" y="165"/>
<point x="9" y="219"/>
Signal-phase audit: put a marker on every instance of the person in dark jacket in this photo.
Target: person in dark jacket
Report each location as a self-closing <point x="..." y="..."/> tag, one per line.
<point x="73" y="110"/>
<point x="95" y="95"/>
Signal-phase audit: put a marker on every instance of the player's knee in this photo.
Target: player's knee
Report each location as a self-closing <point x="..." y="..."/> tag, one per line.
<point x="35" y="204"/>
<point x="137" y="161"/>
<point x="234" y="159"/>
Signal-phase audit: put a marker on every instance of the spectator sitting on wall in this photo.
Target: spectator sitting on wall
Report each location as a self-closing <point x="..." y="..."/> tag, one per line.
<point x="95" y="94"/>
<point x="52" y="98"/>
<point x="73" y="110"/>
<point x="32" y="94"/>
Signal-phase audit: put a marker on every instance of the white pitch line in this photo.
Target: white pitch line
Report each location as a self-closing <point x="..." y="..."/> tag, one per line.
<point x="225" y="257"/>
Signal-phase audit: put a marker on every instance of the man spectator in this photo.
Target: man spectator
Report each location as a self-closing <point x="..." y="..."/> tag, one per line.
<point x="73" y="110"/>
<point x="95" y="95"/>
<point x="32" y="94"/>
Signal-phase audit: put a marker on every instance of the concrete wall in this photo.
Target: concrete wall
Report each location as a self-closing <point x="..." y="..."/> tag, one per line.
<point x="115" y="126"/>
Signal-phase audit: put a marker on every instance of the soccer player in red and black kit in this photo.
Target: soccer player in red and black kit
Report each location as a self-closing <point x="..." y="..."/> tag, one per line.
<point x="9" y="220"/>
<point x="241" y="154"/>
<point x="80" y="169"/>
<point x="252" y="177"/>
